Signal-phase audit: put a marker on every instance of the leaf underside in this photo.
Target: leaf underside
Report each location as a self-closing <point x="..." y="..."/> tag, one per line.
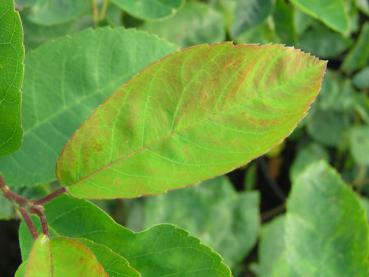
<point x="197" y="113"/>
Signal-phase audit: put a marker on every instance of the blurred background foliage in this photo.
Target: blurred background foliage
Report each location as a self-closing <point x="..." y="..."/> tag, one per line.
<point x="243" y="215"/>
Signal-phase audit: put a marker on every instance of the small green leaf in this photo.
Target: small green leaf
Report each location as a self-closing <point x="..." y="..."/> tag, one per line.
<point x="158" y="251"/>
<point x="150" y="9"/>
<point x="322" y="124"/>
<point x="271" y="251"/>
<point x="52" y="12"/>
<point x="194" y="209"/>
<point x="283" y="18"/>
<point x="330" y="12"/>
<point x="363" y="5"/>
<point x="359" y="55"/>
<point x="306" y="156"/>
<point x="324" y="43"/>
<point x="359" y="145"/>
<point x="195" y="114"/>
<point x="60" y="95"/>
<point x="248" y="14"/>
<point x="60" y="257"/>
<point x="6" y="208"/>
<point x="326" y="229"/>
<point x="11" y="77"/>
<point x="195" y="23"/>
<point x="361" y="79"/>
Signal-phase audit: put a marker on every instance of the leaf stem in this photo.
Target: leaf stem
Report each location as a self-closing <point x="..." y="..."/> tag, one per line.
<point x="26" y="206"/>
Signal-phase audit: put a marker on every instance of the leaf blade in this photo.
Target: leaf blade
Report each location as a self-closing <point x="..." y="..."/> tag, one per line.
<point x="11" y="77"/>
<point x="137" y="152"/>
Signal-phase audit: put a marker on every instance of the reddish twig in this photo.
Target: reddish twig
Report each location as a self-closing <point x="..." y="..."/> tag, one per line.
<point x="28" y="221"/>
<point x="26" y="206"/>
<point x="50" y="196"/>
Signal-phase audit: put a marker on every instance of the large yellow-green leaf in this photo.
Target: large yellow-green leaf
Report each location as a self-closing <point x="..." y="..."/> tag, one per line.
<point x="163" y="250"/>
<point x="61" y="257"/>
<point x="58" y="96"/>
<point x="197" y="113"/>
<point x="330" y="12"/>
<point x="11" y="76"/>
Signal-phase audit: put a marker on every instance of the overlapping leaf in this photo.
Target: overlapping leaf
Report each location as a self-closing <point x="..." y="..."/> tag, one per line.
<point x="65" y="80"/>
<point x="197" y="113"/>
<point x="159" y="251"/>
<point x="150" y="9"/>
<point x="61" y="257"/>
<point x="330" y="12"/>
<point x="195" y="23"/>
<point x="234" y="232"/>
<point x="11" y="76"/>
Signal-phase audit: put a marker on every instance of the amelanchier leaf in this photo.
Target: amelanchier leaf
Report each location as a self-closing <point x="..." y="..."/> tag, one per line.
<point x="271" y="250"/>
<point x="195" y="114"/>
<point x="195" y="23"/>
<point x="159" y="251"/>
<point x="358" y="57"/>
<point x="248" y="14"/>
<point x="330" y="12"/>
<point x="51" y="12"/>
<point x="60" y="257"/>
<point x="150" y="9"/>
<point x="233" y="234"/>
<point x="359" y="145"/>
<point x="322" y="213"/>
<point x="11" y="77"/>
<point x="58" y="96"/>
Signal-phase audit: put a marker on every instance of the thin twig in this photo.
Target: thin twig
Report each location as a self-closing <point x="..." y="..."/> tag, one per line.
<point x="11" y="195"/>
<point x="39" y="211"/>
<point x="26" y="206"/>
<point x="28" y="221"/>
<point x="50" y="196"/>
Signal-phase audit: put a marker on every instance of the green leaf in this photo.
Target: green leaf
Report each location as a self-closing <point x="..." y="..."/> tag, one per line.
<point x="161" y="250"/>
<point x="359" y="145"/>
<point x="323" y="42"/>
<point x="330" y="12"/>
<point x="283" y="18"/>
<point x="60" y="257"/>
<point x="150" y="9"/>
<point x="322" y="213"/>
<point x="60" y="95"/>
<point x="322" y="124"/>
<point x="261" y="34"/>
<point x="6" y="208"/>
<point x="11" y="77"/>
<point x="361" y="79"/>
<point x="359" y="55"/>
<point x="196" y="114"/>
<point x="194" y="209"/>
<point x="114" y="264"/>
<point x="35" y="35"/>
<point x="248" y="14"/>
<point x="195" y="23"/>
<point x="271" y="251"/>
<point x="309" y="154"/>
<point x="52" y="12"/>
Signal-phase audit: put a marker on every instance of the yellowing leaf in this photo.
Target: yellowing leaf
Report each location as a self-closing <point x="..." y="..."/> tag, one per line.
<point x="195" y="114"/>
<point x="61" y="257"/>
